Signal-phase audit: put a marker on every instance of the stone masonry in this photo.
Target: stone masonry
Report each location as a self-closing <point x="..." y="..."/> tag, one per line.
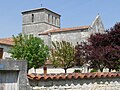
<point x="39" y="20"/>
<point x="92" y="81"/>
<point x="18" y="66"/>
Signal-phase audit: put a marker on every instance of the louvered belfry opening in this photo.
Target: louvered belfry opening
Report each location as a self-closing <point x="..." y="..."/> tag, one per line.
<point x="1" y="53"/>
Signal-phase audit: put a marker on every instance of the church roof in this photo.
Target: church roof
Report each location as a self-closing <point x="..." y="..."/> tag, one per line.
<point x="64" y="30"/>
<point x="10" y="42"/>
<point x="39" y="9"/>
<point x="7" y="41"/>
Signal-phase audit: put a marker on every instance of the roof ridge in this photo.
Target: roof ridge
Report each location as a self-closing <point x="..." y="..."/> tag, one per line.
<point x="63" y="29"/>
<point x="7" y="41"/>
<point x="6" y="38"/>
<point x="75" y="75"/>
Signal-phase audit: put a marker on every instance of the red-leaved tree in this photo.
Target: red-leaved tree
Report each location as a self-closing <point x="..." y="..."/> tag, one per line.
<point x="103" y="50"/>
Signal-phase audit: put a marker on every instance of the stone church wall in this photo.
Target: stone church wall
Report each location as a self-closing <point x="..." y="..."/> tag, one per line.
<point x="39" y="20"/>
<point x="36" y="28"/>
<point x="71" y="36"/>
<point x="46" y="39"/>
<point x="97" y="26"/>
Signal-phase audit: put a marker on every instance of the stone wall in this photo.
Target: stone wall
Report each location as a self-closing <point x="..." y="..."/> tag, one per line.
<point x="6" y="48"/>
<point x="77" y="84"/>
<point x="97" y="26"/>
<point x="69" y="36"/>
<point x="35" y="29"/>
<point x="11" y="66"/>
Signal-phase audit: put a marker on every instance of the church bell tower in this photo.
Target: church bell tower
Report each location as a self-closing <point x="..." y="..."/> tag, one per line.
<point x="39" y="20"/>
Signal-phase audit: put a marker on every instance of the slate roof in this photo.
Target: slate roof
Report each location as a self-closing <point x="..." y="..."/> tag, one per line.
<point x="7" y="41"/>
<point x="63" y="76"/>
<point x="64" y="30"/>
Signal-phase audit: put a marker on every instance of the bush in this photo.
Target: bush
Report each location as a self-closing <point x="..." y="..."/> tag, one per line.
<point x="77" y="71"/>
<point x="93" y="70"/>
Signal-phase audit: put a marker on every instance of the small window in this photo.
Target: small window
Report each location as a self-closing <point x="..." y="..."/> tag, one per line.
<point x="48" y="18"/>
<point x="55" y="20"/>
<point x="1" y="53"/>
<point x="32" y="17"/>
<point x="52" y="20"/>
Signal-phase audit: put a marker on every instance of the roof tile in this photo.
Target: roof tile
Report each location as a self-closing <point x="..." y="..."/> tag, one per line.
<point x="64" y="30"/>
<point x="73" y="75"/>
<point x="7" y="41"/>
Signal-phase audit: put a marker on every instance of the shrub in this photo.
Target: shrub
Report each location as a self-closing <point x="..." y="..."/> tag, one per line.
<point x="77" y="71"/>
<point x="93" y="70"/>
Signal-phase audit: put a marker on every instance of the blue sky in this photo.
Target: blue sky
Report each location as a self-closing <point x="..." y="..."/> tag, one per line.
<point x="73" y="13"/>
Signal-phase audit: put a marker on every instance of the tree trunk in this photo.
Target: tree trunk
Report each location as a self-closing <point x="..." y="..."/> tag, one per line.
<point x="65" y="70"/>
<point x="110" y="70"/>
<point x="101" y="69"/>
<point x="35" y="70"/>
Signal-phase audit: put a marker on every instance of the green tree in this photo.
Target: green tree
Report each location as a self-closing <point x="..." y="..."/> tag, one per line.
<point x="62" y="55"/>
<point x="31" y="49"/>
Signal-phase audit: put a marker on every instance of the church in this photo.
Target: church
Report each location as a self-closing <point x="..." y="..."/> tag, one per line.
<point x="45" y="24"/>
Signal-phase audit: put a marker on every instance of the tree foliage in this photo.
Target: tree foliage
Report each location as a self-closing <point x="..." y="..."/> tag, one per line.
<point x="95" y="51"/>
<point x="103" y="50"/>
<point x="62" y="55"/>
<point x="79" y="54"/>
<point x="31" y="49"/>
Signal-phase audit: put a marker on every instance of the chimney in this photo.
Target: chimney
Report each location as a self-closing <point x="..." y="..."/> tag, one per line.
<point x="45" y="70"/>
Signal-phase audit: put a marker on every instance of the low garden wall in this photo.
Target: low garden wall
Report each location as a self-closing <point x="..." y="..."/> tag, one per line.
<point x="75" y="81"/>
